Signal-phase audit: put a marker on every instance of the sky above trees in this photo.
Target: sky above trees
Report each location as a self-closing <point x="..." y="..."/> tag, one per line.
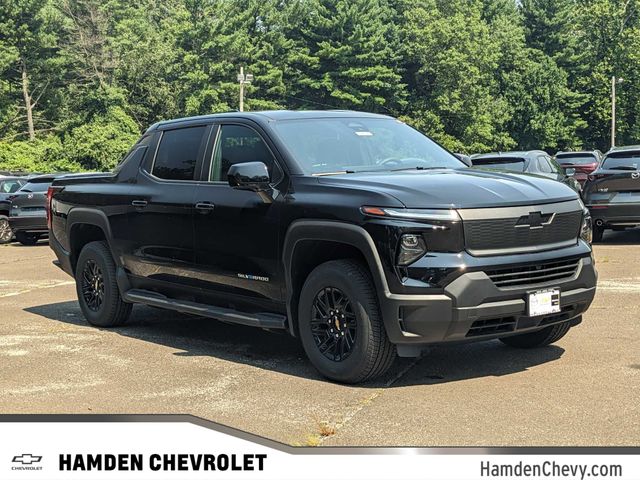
<point x="81" y="79"/>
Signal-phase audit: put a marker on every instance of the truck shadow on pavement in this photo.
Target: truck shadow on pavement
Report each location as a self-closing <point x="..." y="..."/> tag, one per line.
<point x="278" y="352"/>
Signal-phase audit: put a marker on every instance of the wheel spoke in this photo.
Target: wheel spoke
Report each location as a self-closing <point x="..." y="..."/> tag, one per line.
<point x="333" y="324"/>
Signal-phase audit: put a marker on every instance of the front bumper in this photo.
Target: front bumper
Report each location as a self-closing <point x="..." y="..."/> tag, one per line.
<point x="472" y="307"/>
<point x="29" y="223"/>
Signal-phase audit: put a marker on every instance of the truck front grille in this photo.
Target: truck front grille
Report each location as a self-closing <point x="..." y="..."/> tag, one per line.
<point x="536" y="274"/>
<point x="502" y="231"/>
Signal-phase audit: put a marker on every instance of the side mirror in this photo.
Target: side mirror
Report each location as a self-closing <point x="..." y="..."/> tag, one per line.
<point x="466" y="159"/>
<point x="252" y="176"/>
<point x="569" y="172"/>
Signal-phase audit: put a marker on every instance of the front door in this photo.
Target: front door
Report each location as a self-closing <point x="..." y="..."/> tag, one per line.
<point x="236" y="231"/>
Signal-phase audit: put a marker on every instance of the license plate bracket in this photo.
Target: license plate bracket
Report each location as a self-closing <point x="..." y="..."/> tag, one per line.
<point x="543" y="302"/>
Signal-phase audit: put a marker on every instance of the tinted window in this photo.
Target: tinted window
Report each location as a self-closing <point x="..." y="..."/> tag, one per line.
<point x="576" y="159"/>
<point x="555" y="167"/>
<point x="36" y="187"/>
<point x="238" y="144"/>
<point x="543" y="165"/>
<point x="178" y="153"/>
<point x="10" y="186"/>
<point x="622" y="161"/>
<point x="500" y="163"/>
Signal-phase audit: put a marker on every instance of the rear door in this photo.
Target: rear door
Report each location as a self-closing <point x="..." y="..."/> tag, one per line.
<point x="160" y="253"/>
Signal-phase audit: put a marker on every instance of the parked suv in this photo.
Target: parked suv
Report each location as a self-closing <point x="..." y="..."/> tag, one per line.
<point x="27" y="213"/>
<point x="582" y="163"/>
<point x="351" y="231"/>
<point x="8" y="186"/>
<point x="612" y="192"/>
<point x="536" y="162"/>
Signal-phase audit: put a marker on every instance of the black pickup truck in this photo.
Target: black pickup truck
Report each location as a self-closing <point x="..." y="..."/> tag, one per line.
<point x="351" y="231"/>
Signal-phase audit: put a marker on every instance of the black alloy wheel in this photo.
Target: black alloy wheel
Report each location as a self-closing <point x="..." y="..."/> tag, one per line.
<point x="5" y="230"/>
<point x="93" y="285"/>
<point x="333" y="324"/>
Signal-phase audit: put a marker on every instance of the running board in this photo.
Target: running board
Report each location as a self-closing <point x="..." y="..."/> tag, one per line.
<point x="153" y="299"/>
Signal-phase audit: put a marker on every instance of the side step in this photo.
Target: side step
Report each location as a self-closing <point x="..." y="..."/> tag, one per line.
<point x="262" y="320"/>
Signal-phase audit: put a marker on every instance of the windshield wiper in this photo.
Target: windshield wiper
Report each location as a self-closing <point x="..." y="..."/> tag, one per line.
<point x="322" y="174"/>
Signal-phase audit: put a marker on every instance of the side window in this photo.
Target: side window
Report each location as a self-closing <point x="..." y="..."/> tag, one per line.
<point x="543" y="165"/>
<point x="555" y="167"/>
<point x="178" y="153"/>
<point x="238" y="144"/>
<point x="11" y="186"/>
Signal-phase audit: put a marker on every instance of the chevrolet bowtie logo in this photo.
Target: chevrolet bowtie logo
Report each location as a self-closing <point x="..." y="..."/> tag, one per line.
<point x="26" y="459"/>
<point x="534" y="220"/>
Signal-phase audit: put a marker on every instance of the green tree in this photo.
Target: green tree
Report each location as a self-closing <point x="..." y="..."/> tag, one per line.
<point x="346" y="55"/>
<point x="28" y="61"/>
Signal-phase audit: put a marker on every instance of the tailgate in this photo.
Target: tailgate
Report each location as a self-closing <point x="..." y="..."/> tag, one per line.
<point x="29" y="203"/>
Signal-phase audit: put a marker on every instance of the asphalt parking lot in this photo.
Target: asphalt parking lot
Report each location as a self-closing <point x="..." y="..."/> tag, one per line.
<point x="583" y="391"/>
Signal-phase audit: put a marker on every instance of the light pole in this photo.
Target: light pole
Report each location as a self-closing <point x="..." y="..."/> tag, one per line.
<point x="614" y="81"/>
<point x="243" y="80"/>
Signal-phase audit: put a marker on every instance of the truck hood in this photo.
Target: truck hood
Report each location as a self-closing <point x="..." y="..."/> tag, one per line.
<point x="463" y="188"/>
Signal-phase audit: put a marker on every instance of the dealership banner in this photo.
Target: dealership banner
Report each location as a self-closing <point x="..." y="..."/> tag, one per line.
<point x="183" y="447"/>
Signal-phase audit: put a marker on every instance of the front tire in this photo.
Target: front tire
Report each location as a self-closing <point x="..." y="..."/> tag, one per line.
<point x="5" y="230"/>
<point x="541" y="338"/>
<point x="96" y="286"/>
<point x="340" y="324"/>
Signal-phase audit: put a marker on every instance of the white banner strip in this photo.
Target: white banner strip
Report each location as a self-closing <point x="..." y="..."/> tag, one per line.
<point x="164" y="450"/>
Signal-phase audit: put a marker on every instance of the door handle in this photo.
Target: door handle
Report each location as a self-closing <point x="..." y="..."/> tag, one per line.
<point x="139" y="203"/>
<point x="204" y="207"/>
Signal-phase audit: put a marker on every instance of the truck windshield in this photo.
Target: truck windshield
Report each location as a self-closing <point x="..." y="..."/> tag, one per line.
<point x="345" y="145"/>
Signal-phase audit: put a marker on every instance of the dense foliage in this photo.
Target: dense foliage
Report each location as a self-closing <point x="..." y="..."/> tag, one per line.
<point x="80" y="79"/>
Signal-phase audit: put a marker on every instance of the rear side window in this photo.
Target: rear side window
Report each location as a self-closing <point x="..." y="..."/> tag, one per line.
<point x="178" y="153"/>
<point x="543" y="165"/>
<point x="10" y="186"/>
<point x="36" y="187"/>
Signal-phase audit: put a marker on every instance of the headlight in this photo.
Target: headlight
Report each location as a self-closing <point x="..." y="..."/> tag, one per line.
<point x="412" y="247"/>
<point x="586" y="230"/>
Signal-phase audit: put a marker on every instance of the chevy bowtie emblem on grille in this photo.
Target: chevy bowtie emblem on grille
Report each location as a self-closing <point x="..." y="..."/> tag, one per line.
<point x="534" y="220"/>
<point x="26" y="459"/>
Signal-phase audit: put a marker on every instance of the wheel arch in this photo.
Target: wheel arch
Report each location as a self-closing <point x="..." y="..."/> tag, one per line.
<point x="85" y="225"/>
<point x="308" y="243"/>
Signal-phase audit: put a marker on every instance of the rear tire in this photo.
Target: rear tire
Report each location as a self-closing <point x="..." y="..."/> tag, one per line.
<point x="350" y="345"/>
<point x="598" y="233"/>
<point x="5" y="230"/>
<point x="27" y="239"/>
<point x="541" y="338"/>
<point x="96" y="286"/>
